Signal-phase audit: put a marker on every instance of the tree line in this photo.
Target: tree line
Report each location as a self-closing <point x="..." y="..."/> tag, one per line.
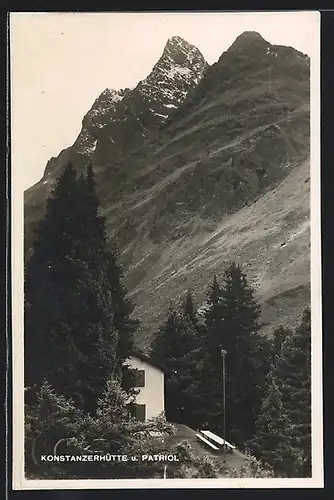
<point x="268" y="380"/>
<point x="80" y="330"/>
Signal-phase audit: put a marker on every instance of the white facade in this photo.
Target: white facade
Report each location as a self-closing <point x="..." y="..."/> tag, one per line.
<point x="152" y="394"/>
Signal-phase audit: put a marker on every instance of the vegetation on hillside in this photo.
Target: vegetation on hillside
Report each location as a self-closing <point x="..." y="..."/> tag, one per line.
<point x="267" y="398"/>
<point x="283" y="427"/>
<point x="77" y="397"/>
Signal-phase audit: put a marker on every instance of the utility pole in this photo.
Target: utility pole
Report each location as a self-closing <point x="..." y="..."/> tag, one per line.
<point x="223" y="354"/>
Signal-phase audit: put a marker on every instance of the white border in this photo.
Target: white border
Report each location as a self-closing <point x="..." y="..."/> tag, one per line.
<point x="317" y="481"/>
<point x="316" y="282"/>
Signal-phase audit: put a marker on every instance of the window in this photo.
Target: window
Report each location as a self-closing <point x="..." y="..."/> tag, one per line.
<point x="139" y="378"/>
<point x="140" y="412"/>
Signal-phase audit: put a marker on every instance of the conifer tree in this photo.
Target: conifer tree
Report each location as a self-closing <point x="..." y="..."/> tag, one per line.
<point x="247" y="354"/>
<point x="47" y="301"/>
<point x="232" y="322"/>
<point x="189" y="308"/>
<point x="293" y="372"/>
<point x="54" y="424"/>
<point x="71" y="301"/>
<point x="279" y="335"/>
<point x="272" y="443"/>
<point x="209" y="413"/>
<point x="175" y="346"/>
<point x="213" y="316"/>
<point x="190" y="311"/>
<point x="124" y="324"/>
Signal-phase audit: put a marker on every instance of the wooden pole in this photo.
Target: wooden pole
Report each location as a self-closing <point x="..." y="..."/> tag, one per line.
<point x="223" y="353"/>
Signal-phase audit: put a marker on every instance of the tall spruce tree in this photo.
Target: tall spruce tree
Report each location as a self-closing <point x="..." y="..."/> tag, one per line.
<point x="210" y="388"/>
<point x="209" y="413"/>
<point x="189" y="308"/>
<point x="123" y="308"/>
<point x="279" y="335"/>
<point x="293" y="373"/>
<point x="272" y="443"/>
<point x="232" y="321"/>
<point x="70" y="295"/>
<point x="51" y="278"/>
<point x="175" y="346"/>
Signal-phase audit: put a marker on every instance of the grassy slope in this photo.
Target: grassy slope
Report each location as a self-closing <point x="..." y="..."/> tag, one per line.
<point x="158" y="271"/>
<point x="270" y="238"/>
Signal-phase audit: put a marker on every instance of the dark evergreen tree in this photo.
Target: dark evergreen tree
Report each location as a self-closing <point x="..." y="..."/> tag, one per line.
<point x="209" y="413"/>
<point x="71" y="286"/>
<point x="124" y="324"/>
<point x="47" y="301"/>
<point x="189" y="308"/>
<point x="233" y="324"/>
<point x="293" y="372"/>
<point x="213" y="314"/>
<point x="272" y="443"/>
<point x="210" y="389"/>
<point x="175" y="346"/>
<point x="190" y="311"/>
<point x="279" y="335"/>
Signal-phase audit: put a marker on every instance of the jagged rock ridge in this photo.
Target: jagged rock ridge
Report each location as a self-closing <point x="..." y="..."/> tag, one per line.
<point x="120" y="119"/>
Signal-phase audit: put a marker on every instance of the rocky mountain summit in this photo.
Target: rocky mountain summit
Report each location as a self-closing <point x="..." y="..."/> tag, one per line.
<point x="120" y="119"/>
<point x="178" y="71"/>
<point x="198" y="165"/>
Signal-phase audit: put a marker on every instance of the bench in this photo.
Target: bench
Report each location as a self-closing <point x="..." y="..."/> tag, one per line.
<point x="207" y="442"/>
<point x="218" y="439"/>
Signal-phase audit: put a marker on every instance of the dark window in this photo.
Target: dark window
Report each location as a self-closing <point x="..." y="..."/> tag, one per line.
<point x="140" y="412"/>
<point x="139" y="378"/>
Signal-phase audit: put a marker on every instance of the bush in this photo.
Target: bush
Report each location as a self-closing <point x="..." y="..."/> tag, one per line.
<point x="54" y="426"/>
<point x="252" y="468"/>
<point x="191" y="465"/>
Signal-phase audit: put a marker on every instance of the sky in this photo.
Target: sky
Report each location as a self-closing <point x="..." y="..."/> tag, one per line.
<point x="61" y="62"/>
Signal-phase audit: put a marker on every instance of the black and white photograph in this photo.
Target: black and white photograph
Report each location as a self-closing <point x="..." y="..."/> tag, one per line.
<point x="166" y="244"/>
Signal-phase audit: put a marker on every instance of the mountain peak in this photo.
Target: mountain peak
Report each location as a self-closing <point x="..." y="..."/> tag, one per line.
<point x="177" y="47"/>
<point x="215" y="173"/>
<point x="178" y="70"/>
<point x="250" y="35"/>
<point x="109" y="91"/>
<point x="176" y="40"/>
<point x="249" y="39"/>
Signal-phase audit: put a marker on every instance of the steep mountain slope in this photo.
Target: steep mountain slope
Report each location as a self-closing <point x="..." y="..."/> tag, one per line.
<point x="120" y="121"/>
<point x="220" y="178"/>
